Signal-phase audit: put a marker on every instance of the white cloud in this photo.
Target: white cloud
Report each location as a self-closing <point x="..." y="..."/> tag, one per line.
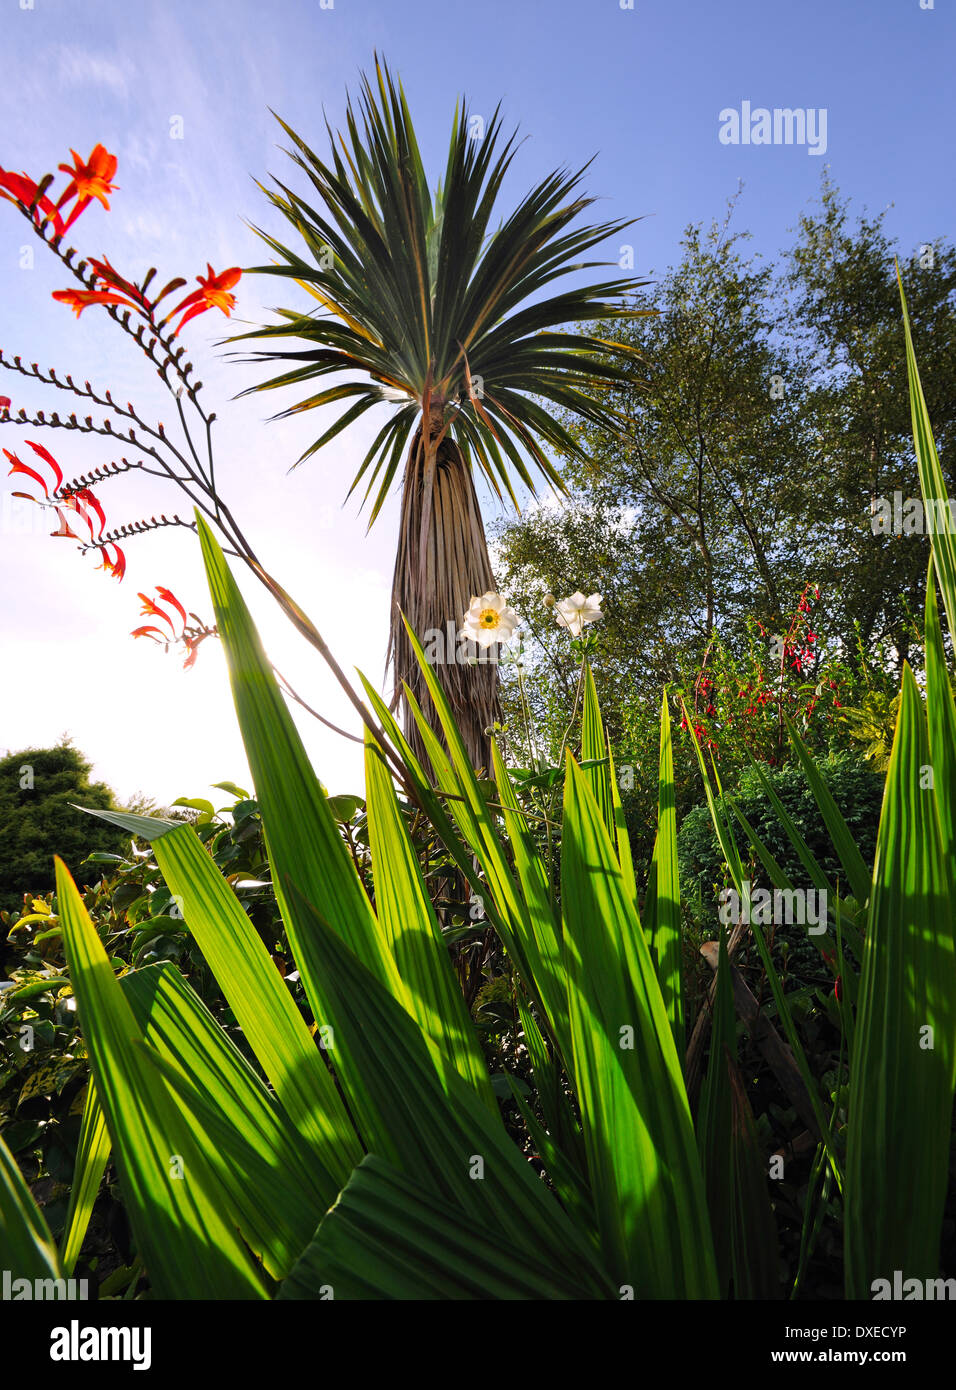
<point x="80" y="66"/>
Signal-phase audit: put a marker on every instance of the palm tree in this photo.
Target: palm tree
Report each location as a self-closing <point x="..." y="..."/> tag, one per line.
<point x="426" y="310"/>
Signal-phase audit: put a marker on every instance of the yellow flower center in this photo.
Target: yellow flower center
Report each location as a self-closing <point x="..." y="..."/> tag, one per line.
<point x="489" y="617"/>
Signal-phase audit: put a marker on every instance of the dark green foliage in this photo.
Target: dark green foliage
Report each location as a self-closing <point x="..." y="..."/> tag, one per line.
<point x="38" y="789"/>
<point x="856" y="788"/>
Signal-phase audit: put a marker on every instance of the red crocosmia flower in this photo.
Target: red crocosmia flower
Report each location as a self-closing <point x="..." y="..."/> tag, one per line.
<point x="115" y="567"/>
<point x="71" y="501"/>
<point x="4" y="402"/>
<point x="48" y="458"/>
<point x="168" y="597"/>
<point x="88" y="181"/>
<point x="85" y="495"/>
<point x="838" y="988"/>
<point x="213" y="293"/>
<point x="119" y="291"/>
<point x="20" y="188"/>
<point x="191" y="643"/>
<point x="17" y="467"/>
<point x="78" y="300"/>
<point x="153" y="610"/>
<point x="110" y="276"/>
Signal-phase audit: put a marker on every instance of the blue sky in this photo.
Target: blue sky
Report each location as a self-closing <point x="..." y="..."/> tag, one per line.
<point x="639" y="89"/>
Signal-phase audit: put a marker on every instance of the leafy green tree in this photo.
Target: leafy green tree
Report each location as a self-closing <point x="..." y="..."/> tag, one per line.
<point x="840" y="282"/>
<point x="39" y="788"/>
<point x="768" y="407"/>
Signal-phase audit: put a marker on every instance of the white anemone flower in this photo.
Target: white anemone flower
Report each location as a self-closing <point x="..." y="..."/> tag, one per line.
<point x="576" y="612"/>
<point x="488" y="620"/>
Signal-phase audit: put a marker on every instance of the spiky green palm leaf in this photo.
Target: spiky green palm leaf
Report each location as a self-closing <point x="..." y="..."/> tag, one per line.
<point x="458" y="330"/>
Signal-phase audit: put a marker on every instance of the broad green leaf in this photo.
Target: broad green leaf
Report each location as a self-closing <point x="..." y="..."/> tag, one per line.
<point x="171" y="1194"/>
<point x="547" y="969"/>
<point x="941" y="716"/>
<point x="26" y="1246"/>
<point x="232" y="789"/>
<point x="387" y="1237"/>
<point x="271" y="1181"/>
<point x="432" y="803"/>
<point x="413" y="934"/>
<point x="622" y="839"/>
<point x="903" y="1064"/>
<point x="642" y="1158"/>
<point x="92" y="1156"/>
<point x="667" y="925"/>
<point x="468" y="808"/>
<point x="258" y="996"/>
<point x="306" y="849"/>
<point x="932" y="482"/>
<point x="200" y="804"/>
<point x="594" y="750"/>
<point x="440" y="1134"/>
<point x="343" y="808"/>
<point x="564" y="1132"/>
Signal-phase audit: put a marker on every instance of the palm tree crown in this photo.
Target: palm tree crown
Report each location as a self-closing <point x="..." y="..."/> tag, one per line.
<point x="456" y="327"/>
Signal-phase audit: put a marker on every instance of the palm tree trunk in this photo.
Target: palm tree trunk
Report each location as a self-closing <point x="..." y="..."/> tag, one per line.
<point x="433" y="586"/>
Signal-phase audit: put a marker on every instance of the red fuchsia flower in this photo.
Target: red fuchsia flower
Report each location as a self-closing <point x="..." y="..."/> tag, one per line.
<point x="88" y="181"/>
<point x="190" y="640"/>
<point x="213" y="293"/>
<point x="20" y="188"/>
